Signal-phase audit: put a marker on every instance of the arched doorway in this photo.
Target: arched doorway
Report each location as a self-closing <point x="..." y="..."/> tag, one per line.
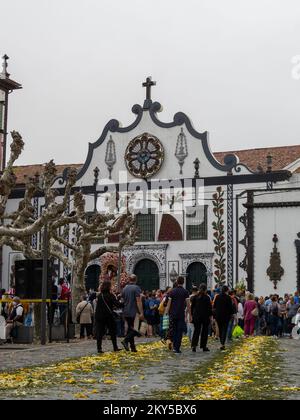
<point x="196" y="274"/>
<point x="147" y="273"/>
<point x="92" y="274"/>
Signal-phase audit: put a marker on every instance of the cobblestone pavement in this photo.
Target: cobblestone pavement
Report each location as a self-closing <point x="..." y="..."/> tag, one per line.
<point x="14" y="356"/>
<point x="139" y="382"/>
<point x="151" y="376"/>
<point x="290" y="367"/>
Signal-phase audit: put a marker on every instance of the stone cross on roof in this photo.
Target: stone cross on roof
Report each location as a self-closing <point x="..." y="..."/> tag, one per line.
<point x="148" y="84"/>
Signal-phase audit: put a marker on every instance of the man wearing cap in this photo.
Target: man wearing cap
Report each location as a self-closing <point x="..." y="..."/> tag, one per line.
<point x="15" y="318"/>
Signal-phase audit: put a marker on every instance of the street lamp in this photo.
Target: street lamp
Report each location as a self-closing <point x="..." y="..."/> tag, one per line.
<point x="44" y="281"/>
<point x="7" y="86"/>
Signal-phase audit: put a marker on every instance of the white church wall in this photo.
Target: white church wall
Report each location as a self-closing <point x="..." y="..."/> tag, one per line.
<point x="168" y="137"/>
<point x="285" y="223"/>
<point x="259" y="196"/>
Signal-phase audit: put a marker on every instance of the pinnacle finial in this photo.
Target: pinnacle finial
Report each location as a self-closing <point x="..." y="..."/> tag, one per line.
<point x="4" y="73"/>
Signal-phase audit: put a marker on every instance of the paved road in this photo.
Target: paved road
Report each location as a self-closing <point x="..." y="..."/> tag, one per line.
<point x="153" y="373"/>
<point x="18" y="355"/>
<point x="134" y="381"/>
<point x="290" y="368"/>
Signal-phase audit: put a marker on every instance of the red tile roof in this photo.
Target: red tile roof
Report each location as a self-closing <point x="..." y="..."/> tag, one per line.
<point x="282" y="156"/>
<point x="31" y="170"/>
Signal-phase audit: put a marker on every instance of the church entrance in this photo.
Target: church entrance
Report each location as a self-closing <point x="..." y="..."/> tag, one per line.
<point x="196" y="274"/>
<point x="148" y="275"/>
<point x="92" y="274"/>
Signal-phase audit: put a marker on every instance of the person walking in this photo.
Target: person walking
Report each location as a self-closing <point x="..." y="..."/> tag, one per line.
<point x="201" y="310"/>
<point x="292" y="309"/>
<point x="250" y="314"/>
<point x="131" y="296"/>
<point x="84" y="313"/>
<point x="189" y="321"/>
<point x="177" y="303"/>
<point x="274" y="309"/>
<point x="105" y="316"/>
<point x="223" y="310"/>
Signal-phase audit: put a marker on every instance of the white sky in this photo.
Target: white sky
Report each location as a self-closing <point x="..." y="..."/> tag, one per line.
<point x="226" y="64"/>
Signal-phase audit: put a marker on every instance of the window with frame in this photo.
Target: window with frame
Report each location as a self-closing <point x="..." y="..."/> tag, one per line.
<point x="196" y="223"/>
<point x="146" y="227"/>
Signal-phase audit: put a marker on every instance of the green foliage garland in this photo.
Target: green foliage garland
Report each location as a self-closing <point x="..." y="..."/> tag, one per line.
<point x="219" y="237"/>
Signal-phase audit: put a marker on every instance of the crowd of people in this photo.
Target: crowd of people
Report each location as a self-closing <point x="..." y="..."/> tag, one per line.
<point x="16" y="313"/>
<point x="169" y="314"/>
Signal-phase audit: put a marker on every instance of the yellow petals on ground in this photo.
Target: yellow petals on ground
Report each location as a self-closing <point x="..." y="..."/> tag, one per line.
<point x="80" y="396"/>
<point x="222" y="380"/>
<point x="110" y="382"/>
<point x="63" y="372"/>
<point x="70" y="381"/>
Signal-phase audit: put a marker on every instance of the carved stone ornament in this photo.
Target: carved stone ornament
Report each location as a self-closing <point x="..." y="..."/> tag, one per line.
<point x="110" y="155"/>
<point x="275" y="271"/>
<point x="144" y="156"/>
<point x="181" y="151"/>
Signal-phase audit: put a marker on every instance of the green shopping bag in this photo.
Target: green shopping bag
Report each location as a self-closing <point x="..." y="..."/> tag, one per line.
<point x="237" y="332"/>
<point x="165" y="322"/>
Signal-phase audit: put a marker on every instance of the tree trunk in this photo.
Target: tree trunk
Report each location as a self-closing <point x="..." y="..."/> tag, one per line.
<point x="78" y="288"/>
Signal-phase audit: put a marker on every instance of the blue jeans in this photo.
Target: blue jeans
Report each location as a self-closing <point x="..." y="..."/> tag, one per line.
<point x="120" y="324"/>
<point x="179" y="327"/>
<point x="230" y="329"/>
<point x="190" y="331"/>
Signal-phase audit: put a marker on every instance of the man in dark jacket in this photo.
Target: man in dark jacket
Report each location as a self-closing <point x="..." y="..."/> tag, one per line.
<point x="223" y="312"/>
<point x="201" y="309"/>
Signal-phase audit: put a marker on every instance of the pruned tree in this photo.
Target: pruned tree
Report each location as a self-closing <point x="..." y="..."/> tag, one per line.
<point x="17" y="228"/>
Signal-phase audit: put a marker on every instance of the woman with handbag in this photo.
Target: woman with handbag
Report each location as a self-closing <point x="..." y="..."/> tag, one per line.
<point x="250" y="314"/>
<point x="105" y="315"/>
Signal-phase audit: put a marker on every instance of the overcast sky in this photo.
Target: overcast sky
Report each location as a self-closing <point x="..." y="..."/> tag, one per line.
<point x="227" y="64"/>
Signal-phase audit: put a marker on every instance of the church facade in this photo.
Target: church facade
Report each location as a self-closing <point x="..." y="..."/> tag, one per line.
<point x="202" y="215"/>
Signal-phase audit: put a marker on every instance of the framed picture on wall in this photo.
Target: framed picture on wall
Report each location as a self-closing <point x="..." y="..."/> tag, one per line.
<point x="173" y="271"/>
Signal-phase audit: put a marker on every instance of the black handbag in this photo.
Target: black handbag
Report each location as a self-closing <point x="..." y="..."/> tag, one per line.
<point x="116" y="316"/>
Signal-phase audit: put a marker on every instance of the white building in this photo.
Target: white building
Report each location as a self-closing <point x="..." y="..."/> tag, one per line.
<point x="258" y="203"/>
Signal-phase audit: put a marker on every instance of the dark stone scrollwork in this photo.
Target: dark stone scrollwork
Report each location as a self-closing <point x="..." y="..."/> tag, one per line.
<point x="247" y="219"/>
<point x="230" y="235"/>
<point x="297" y="244"/>
<point x="244" y="242"/>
